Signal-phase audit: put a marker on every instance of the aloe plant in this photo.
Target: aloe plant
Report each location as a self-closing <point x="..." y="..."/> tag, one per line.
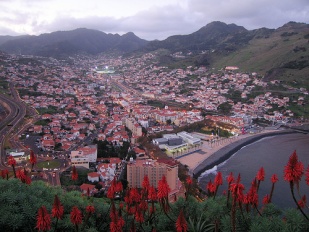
<point x="200" y="225"/>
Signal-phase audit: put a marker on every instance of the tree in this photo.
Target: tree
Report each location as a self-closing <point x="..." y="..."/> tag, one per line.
<point x="225" y="108"/>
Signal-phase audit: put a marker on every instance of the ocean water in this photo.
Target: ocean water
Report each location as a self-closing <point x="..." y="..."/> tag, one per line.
<point x="272" y="153"/>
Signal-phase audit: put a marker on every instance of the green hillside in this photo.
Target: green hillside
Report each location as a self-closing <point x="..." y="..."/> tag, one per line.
<point x="283" y="55"/>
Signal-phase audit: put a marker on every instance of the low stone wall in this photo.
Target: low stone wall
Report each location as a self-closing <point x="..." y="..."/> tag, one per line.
<point x="227" y="151"/>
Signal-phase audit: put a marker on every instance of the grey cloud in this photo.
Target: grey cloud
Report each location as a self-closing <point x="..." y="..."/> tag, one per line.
<point x="161" y="22"/>
<point x="105" y="24"/>
<point x="8" y="31"/>
<point x="251" y="13"/>
<point x="157" y="23"/>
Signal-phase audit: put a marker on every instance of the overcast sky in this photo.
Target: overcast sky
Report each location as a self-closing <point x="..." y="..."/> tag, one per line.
<point x="148" y="19"/>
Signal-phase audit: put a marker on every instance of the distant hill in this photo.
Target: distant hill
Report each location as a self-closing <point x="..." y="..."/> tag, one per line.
<point x="211" y="36"/>
<point x="281" y="53"/>
<point x="64" y="43"/>
<point x="6" y="38"/>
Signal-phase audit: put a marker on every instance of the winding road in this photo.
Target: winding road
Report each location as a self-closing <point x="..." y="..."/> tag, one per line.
<point x="16" y="111"/>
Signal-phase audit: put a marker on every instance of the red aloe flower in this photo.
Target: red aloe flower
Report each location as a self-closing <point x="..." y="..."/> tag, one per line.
<point x="152" y="194"/>
<point x="118" y="187"/>
<point x="146" y="184"/>
<point x="218" y="179"/>
<point x="33" y="159"/>
<point x="112" y="189"/>
<point x="237" y="189"/>
<point x="189" y="180"/>
<point x="90" y="209"/>
<point x="211" y="187"/>
<point x="117" y="221"/>
<point x="307" y="175"/>
<point x="274" y="178"/>
<point x="43" y="222"/>
<point x="113" y="227"/>
<point x="187" y="186"/>
<point x="76" y="216"/>
<point x="113" y="213"/>
<point x="209" y="184"/>
<point x="163" y="191"/>
<point x="74" y="173"/>
<point x="4" y="173"/>
<point x="260" y="176"/>
<point x="181" y="223"/>
<point x="12" y="162"/>
<point x="28" y="180"/>
<point x="266" y="199"/>
<point x="58" y="209"/>
<point x="294" y="170"/>
<point x="20" y="174"/>
<point x="120" y="223"/>
<point x="143" y="205"/>
<point x="163" y="188"/>
<point x="230" y="178"/>
<point x="302" y="202"/>
<point x="252" y="196"/>
<point x="127" y="198"/>
<point x="135" y="196"/>
<point x="139" y="216"/>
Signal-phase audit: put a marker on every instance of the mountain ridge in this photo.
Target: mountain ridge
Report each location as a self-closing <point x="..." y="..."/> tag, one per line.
<point x="280" y="53"/>
<point x="62" y="43"/>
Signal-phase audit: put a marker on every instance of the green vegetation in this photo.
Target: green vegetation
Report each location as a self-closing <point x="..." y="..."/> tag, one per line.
<point x="155" y="103"/>
<point x="51" y="164"/>
<point x="49" y="110"/>
<point x="20" y="204"/>
<point x="300" y="110"/>
<point x="106" y="149"/>
<point x="287" y="59"/>
<point x="4" y="84"/>
<point x="66" y="177"/>
<point x="42" y="122"/>
<point x="225" y="108"/>
<point x="23" y="92"/>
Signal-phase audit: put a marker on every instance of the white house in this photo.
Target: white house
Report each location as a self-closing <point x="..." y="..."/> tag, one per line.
<point x="84" y="156"/>
<point x="93" y="176"/>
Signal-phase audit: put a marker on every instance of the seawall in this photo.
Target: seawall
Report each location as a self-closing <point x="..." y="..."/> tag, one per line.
<point x="227" y="151"/>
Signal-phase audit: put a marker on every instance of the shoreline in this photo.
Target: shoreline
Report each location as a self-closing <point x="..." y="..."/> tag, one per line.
<point x="224" y="152"/>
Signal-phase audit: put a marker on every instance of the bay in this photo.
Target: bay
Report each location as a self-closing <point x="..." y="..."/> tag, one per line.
<point x="272" y="153"/>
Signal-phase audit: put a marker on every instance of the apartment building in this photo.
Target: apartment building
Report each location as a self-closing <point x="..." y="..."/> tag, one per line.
<point x="84" y="156"/>
<point x="154" y="169"/>
<point x="133" y="126"/>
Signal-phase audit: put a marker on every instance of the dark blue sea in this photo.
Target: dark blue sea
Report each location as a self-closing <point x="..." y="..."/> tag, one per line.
<point x="272" y="153"/>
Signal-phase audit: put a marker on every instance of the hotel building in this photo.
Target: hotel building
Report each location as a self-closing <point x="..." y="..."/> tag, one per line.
<point x="154" y="169"/>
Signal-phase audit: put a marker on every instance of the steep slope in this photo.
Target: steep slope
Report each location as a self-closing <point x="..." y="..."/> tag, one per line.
<point x="5" y="38"/>
<point x="278" y="54"/>
<point x="214" y="35"/>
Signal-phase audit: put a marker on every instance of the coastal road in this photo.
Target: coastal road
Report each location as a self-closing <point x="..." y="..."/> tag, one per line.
<point x="16" y="112"/>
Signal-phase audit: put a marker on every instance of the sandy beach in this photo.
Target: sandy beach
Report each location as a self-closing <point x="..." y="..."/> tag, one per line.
<point x="199" y="160"/>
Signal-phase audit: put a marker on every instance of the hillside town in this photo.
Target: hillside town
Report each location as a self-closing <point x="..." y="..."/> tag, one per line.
<point x="77" y="101"/>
